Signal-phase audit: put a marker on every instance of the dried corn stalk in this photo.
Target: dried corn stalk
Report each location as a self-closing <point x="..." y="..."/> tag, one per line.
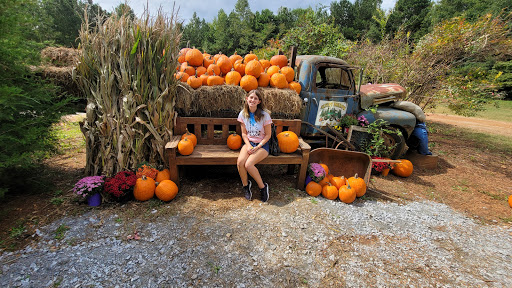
<point x="126" y="71"/>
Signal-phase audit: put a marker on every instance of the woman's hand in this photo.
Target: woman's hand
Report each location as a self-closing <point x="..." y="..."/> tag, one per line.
<point x="253" y="149"/>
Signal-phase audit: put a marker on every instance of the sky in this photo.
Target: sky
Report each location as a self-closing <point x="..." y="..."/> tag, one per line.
<point x="208" y="9"/>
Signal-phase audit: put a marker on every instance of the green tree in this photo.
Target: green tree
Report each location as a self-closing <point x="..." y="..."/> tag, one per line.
<point x="195" y="33"/>
<point x="410" y="15"/>
<point x="124" y="8"/>
<point x="355" y="20"/>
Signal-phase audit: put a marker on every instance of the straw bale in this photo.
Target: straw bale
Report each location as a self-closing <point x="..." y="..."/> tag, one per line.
<point x="228" y="100"/>
<point x="60" y="56"/>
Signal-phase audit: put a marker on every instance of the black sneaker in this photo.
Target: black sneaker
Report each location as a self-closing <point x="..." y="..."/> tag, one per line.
<point x="247" y="191"/>
<point x="264" y="193"/>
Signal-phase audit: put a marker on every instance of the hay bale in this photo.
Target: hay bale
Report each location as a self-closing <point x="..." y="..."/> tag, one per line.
<point x="60" y="56"/>
<point x="228" y="100"/>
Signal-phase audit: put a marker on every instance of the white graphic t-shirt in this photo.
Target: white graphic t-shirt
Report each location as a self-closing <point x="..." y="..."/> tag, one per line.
<point x="255" y="130"/>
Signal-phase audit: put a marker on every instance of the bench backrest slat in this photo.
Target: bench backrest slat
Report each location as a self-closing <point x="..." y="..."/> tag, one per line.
<point x="215" y="131"/>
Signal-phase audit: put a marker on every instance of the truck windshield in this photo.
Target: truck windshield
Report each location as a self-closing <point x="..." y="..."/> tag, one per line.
<point x="332" y="78"/>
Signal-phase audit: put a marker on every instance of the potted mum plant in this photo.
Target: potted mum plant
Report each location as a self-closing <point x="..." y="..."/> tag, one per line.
<point x="90" y="188"/>
<point x="120" y="187"/>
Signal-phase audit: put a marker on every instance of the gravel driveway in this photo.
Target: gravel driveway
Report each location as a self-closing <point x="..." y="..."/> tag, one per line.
<point x="294" y="241"/>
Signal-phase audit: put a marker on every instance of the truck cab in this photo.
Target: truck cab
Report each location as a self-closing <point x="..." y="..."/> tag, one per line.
<point x="329" y="91"/>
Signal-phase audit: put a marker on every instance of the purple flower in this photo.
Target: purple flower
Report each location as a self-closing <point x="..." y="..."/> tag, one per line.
<point x="89" y="185"/>
<point x="316" y="172"/>
<point x="362" y="121"/>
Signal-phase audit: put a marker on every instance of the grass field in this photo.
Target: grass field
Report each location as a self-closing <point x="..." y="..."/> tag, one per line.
<point x="500" y="111"/>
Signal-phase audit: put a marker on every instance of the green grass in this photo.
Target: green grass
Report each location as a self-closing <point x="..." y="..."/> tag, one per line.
<point x="59" y="232"/>
<point x="69" y="136"/>
<point x="501" y="110"/>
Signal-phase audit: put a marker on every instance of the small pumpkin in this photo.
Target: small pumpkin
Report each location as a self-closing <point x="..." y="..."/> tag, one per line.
<point x="217" y="56"/>
<point x="144" y="188"/>
<point x="295" y="86"/>
<point x="204" y="79"/>
<point x="194" y="82"/>
<point x="163" y="175"/>
<point x="313" y="189"/>
<point x="185" y="147"/>
<point x="324" y="181"/>
<point x="248" y="83"/>
<point x="510" y="201"/>
<point x="234" y="141"/>
<point x="166" y="190"/>
<point x="233" y="58"/>
<point x="190" y="136"/>
<point x="233" y="77"/>
<point x="250" y="57"/>
<point x="358" y="185"/>
<point x="194" y="57"/>
<point x="263" y="80"/>
<point x="207" y="61"/>
<point x="214" y="80"/>
<point x="278" y="80"/>
<point x="265" y="63"/>
<point x="213" y="69"/>
<point x="330" y="192"/>
<point x="326" y="168"/>
<point x="403" y="169"/>
<point x="240" y="67"/>
<point x="289" y="73"/>
<point x="181" y="55"/>
<point x="338" y="181"/>
<point x="272" y="70"/>
<point x="279" y="60"/>
<point x="288" y="141"/>
<point x="253" y="68"/>
<point x="187" y="69"/>
<point x="200" y="71"/>
<point x="182" y="76"/>
<point x="347" y="194"/>
<point x="224" y="64"/>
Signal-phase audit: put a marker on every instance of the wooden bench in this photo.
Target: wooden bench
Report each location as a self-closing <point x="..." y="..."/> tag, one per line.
<point x="211" y="149"/>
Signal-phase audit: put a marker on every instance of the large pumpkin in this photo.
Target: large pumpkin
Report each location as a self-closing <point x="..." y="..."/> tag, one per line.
<point x="358" y="185"/>
<point x="144" y="188"/>
<point x="224" y="64"/>
<point x="253" y="68"/>
<point x="288" y="72"/>
<point x="263" y="80"/>
<point x="330" y="192"/>
<point x="163" y="175"/>
<point x="403" y="169"/>
<point x="279" y="60"/>
<point x="166" y="190"/>
<point x="248" y="83"/>
<point x="185" y="147"/>
<point x="194" y="57"/>
<point x="194" y="82"/>
<point x="347" y="194"/>
<point x="278" y="80"/>
<point x="288" y="141"/>
<point x="313" y="189"/>
<point x="234" y="141"/>
<point x="295" y="86"/>
<point x="233" y="77"/>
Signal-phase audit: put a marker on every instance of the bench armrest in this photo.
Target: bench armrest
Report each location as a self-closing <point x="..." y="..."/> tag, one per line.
<point x="303" y="145"/>
<point x="173" y="143"/>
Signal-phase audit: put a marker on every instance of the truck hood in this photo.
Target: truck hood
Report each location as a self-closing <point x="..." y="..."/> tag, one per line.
<point x="373" y="94"/>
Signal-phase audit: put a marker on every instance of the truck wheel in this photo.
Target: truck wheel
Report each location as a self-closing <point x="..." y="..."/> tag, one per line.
<point x="393" y="139"/>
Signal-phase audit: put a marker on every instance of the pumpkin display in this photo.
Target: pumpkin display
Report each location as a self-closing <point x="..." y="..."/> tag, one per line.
<point x="295" y="86"/>
<point x="358" y="185"/>
<point x="185" y="147"/>
<point x="279" y="60"/>
<point x="234" y="141"/>
<point x="338" y="181"/>
<point x="347" y="194"/>
<point x="403" y="169"/>
<point x="166" y="190"/>
<point x="194" y="57"/>
<point x="248" y="83"/>
<point x="190" y="136"/>
<point x="146" y="170"/>
<point x="144" y="188"/>
<point x="278" y="80"/>
<point x="164" y="174"/>
<point x="313" y="189"/>
<point x="289" y="73"/>
<point x="288" y="141"/>
<point x="194" y="82"/>
<point x="233" y="77"/>
<point x="330" y="192"/>
<point x="253" y="68"/>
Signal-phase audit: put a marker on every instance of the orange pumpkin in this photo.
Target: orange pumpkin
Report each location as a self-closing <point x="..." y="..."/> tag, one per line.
<point x="213" y="69"/>
<point x="288" y="72"/>
<point x="240" y="67"/>
<point x="190" y="136"/>
<point x="200" y="71"/>
<point x="194" y="82"/>
<point x="338" y="181"/>
<point x="324" y="181"/>
<point x="263" y="80"/>
<point x="163" y="175"/>
<point x="234" y="141"/>
<point x="313" y="189"/>
<point x="233" y="58"/>
<point x="248" y="83"/>
<point x="182" y="76"/>
<point x="358" y="185"/>
<point x="253" y="68"/>
<point x="166" y="190"/>
<point x="144" y="188"/>
<point x="295" y="86"/>
<point x="330" y="192"/>
<point x="279" y="60"/>
<point x="272" y="70"/>
<point x="217" y="56"/>
<point x="233" y="78"/>
<point x="204" y="79"/>
<point x="347" y="194"/>
<point x="214" y="80"/>
<point x="187" y="69"/>
<point x="207" y="61"/>
<point x="326" y="168"/>
<point x="403" y="169"/>
<point x="194" y="57"/>
<point x="288" y="141"/>
<point x="278" y="80"/>
<point x="510" y="201"/>
<point x="264" y="63"/>
<point x="250" y="57"/>
<point x="224" y="64"/>
<point x="181" y="55"/>
<point x="185" y="147"/>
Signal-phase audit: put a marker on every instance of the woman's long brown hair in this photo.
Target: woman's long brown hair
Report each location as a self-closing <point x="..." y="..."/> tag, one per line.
<point x="259" y="110"/>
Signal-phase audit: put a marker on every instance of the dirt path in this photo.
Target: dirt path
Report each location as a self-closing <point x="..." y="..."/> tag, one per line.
<point x="478" y="124"/>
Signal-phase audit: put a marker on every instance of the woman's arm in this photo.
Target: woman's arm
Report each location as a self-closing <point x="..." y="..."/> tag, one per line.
<point x="244" y="133"/>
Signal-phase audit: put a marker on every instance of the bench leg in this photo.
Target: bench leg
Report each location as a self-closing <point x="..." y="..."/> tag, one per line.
<point x="302" y="176"/>
<point x="173" y="168"/>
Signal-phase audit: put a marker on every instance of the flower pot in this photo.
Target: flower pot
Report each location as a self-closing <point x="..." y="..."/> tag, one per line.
<point x="385" y="172"/>
<point x="94" y="200"/>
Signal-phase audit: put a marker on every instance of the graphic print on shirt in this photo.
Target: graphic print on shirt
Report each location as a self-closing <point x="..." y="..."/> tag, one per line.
<point x="253" y="130"/>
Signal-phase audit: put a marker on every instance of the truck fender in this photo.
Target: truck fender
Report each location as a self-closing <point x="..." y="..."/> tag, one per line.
<point x="404" y="120"/>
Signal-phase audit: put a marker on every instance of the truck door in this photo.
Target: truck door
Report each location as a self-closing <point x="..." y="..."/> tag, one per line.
<point x="331" y="96"/>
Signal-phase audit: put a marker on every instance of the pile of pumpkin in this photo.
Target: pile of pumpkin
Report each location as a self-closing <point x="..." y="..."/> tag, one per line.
<point x="151" y="182"/>
<point x="288" y="142"/>
<point x="320" y="181"/>
<point x="202" y="69"/>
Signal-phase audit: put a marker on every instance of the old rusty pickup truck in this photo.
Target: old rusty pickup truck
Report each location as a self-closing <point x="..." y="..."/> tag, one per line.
<point x="329" y="91"/>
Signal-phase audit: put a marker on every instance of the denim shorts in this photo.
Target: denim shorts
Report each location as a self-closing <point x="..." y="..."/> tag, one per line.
<point x="266" y="146"/>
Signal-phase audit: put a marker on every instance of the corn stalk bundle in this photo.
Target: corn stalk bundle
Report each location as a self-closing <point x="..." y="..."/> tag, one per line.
<point x="126" y="72"/>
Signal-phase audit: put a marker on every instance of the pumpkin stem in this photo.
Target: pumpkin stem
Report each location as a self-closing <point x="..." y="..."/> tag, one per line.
<point x="355" y="176"/>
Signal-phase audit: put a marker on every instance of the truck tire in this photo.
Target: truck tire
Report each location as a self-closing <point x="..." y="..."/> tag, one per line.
<point x="393" y="139"/>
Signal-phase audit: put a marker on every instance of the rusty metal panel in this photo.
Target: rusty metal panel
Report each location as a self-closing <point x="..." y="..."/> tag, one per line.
<point x="372" y="94"/>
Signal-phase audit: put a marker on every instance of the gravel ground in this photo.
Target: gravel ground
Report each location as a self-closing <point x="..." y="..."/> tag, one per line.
<point x="303" y="242"/>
